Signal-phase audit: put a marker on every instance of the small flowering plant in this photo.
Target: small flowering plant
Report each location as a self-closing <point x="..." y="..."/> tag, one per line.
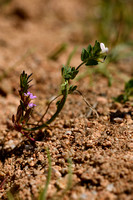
<point x="26" y="106"/>
<point x="90" y="56"/>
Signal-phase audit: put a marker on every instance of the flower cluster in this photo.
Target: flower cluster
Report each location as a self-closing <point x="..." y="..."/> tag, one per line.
<point x="30" y="96"/>
<point x="92" y="55"/>
<point x="26" y="106"/>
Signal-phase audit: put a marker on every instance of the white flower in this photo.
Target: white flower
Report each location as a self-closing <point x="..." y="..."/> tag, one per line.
<point x="103" y="48"/>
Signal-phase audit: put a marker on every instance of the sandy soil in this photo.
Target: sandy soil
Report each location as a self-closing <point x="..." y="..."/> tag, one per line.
<point x="101" y="149"/>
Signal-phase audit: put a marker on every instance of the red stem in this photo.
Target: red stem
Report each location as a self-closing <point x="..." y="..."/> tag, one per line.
<point x="30" y="138"/>
<point x="3" y="182"/>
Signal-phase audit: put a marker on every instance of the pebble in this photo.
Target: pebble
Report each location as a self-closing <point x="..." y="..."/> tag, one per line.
<point x="56" y="172"/>
<point x="118" y="120"/>
<point x="102" y="100"/>
<point x="130" y="145"/>
<point x="85" y="176"/>
<point x="74" y="196"/>
<point x="10" y="144"/>
<point x="89" y="144"/>
<point x="84" y="196"/>
<point x="110" y="187"/>
<point x="68" y="132"/>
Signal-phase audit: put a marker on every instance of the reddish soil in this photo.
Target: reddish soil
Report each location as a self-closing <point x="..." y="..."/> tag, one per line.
<point x="101" y="149"/>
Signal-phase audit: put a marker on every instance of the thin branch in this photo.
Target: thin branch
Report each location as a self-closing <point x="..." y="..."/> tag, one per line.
<point x="30" y="138"/>
<point x="3" y="182"/>
<point x="90" y="111"/>
<point x="87" y="103"/>
<point x="80" y="65"/>
<point x="48" y="107"/>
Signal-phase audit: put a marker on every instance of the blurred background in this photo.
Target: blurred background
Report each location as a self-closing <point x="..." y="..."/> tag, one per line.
<point x="39" y="36"/>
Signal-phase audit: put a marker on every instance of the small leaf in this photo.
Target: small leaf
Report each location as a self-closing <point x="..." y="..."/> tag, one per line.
<point x="58" y="103"/>
<point x="74" y="72"/>
<point x="69" y="72"/>
<point x="22" y="105"/>
<point x="72" y="88"/>
<point x="27" y="115"/>
<point x="96" y="48"/>
<point x="19" y="113"/>
<point x="29" y="76"/>
<point x="89" y="49"/>
<point x="84" y="55"/>
<point x="91" y="62"/>
<point x="24" y="82"/>
<point x="129" y="85"/>
<point x="13" y="118"/>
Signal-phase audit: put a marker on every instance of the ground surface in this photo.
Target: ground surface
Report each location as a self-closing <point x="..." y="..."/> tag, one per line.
<point x="101" y="149"/>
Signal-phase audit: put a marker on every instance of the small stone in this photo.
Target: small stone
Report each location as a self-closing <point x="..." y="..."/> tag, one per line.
<point x="61" y="183"/>
<point x="85" y="176"/>
<point x="2" y="174"/>
<point x="90" y="124"/>
<point x="49" y="133"/>
<point x="89" y="144"/>
<point x="118" y="120"/>
<point x="32" y="163"/>
<point x="56" y="172"/>
<point x="68" y="132"/>
<point x="74" y="196"/>
<point x="84" y="196"/>
<point x="102" y="100"/>
<point x="10" y="144"/>
<point x="130" y="145"/>
<point x="110" y="187"/>
<point x="67" y="141"/>
<point x="107" y="144"/>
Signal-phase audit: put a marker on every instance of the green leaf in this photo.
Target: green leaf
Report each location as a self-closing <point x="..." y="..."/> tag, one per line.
<point x="128" y="92"/>
<point x="96" y="48"/>
<point x="58" y="102"/>
<point x="24" y="82"/>
<point x="91" y="55"/>
<point x="91" y="62"/>
<point x="72" y="88"/>
<point x="84" y="55"/>
<point x="74" y="72"/>
<point x="69" y="72"/>
<point x="22" y="105"/>
<point x="89" y="49"/>
<point x="129" y="85"/>
<point x="119" y="98"/>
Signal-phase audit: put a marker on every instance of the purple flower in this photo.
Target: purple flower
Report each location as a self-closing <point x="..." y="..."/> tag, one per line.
<point x="31" y="105"/>
<point x="30" y="95"/>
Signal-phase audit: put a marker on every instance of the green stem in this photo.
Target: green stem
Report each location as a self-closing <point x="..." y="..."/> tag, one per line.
<point x="80" y="65"/>
<point x="60" y="106"/>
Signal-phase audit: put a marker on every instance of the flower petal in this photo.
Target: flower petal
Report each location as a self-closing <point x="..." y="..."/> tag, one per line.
<point x="31" y="105"/>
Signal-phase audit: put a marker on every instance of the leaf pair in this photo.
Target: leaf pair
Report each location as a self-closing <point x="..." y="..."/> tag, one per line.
<point x="69" y="72"/>
<point x="90" y="55"/>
